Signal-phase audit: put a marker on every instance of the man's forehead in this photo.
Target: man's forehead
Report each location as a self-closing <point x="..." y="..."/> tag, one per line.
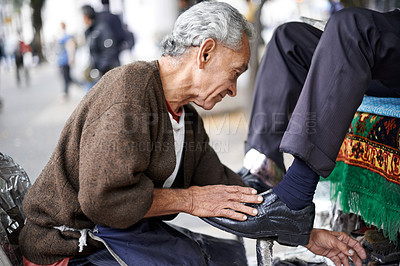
<point x="245" y="52"/>
<point x="243" y="60"/>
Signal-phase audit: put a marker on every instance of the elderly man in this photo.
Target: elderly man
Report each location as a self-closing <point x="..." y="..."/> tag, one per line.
<point x="134" y="152"/>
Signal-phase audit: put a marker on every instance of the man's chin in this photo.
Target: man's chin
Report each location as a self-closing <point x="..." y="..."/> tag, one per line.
<point x="207" y="106"/>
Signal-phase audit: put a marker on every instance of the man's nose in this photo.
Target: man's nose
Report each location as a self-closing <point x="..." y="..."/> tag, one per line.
<point x="232" y="90"/>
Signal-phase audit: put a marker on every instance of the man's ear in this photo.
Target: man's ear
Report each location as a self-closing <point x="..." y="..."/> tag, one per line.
<point x="205" y="52"/>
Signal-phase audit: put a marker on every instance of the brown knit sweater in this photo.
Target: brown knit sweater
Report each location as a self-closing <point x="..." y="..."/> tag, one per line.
<point x="114" y="149"/>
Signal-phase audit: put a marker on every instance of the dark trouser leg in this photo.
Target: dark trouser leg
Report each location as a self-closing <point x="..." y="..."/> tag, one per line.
<point x="65" y="71"/>
<point x="281" y="76"/>
<point x="357" y="45"/>
<point x="18" y="75"/>
<point x="154" y="242"/>
<point x="377" y="89"/>
<point x="27" y="76"/>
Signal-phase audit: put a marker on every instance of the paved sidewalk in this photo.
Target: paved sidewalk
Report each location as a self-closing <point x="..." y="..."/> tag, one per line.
<point x="32" y="117"/>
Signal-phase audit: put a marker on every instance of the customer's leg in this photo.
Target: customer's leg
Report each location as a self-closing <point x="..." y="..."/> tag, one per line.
<point x="357" y="45"/>
<point x="281" y="76"/>
<point x="341" y="71"/>
<point x="377" y="89"/>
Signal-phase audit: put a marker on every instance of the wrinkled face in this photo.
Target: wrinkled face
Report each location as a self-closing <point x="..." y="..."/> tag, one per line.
<point x="220" y="74"/>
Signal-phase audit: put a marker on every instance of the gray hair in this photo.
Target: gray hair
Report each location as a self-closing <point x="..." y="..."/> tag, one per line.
<point x="216" y="20"/>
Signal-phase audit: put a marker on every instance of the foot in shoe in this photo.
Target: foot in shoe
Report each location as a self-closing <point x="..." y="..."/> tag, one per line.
<point x="274" y="221"/>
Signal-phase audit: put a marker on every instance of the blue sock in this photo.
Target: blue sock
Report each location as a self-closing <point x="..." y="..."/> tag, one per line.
<point x="298" y="186"/>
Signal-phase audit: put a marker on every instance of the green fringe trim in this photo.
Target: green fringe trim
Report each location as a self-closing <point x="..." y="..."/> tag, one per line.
<point x="369" y="195"/>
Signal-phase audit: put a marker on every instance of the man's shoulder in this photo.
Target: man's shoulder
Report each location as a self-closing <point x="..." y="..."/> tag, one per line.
<point x="137" y="71"/>
<point x="137" y="80"/>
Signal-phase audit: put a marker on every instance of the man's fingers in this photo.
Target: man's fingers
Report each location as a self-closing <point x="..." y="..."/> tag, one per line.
<point x="351" y="247"/>
<point x="241" y="190"/>
<point x="344" y="248"/>
<point x="244" y="209"/>
<point x="336" y="260"/>
<point x="244" y="190"/>
<point x="344" y="259"/>
<point x="357" y="247"/>
<point x="243" y="194"/>
<point x="356" y="259"/>
<point x="357" y="250"/>
<point x="233" y="215"/>
<point x="224" y="201"/>
<point x="354" y="248"/>
<point x="243" y="198"/>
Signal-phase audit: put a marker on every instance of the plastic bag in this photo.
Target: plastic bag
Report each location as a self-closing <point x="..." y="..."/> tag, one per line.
<point x="14" y="183"/>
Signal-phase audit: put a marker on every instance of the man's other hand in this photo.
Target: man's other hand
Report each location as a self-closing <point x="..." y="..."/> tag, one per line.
<point x="337" y="246"/>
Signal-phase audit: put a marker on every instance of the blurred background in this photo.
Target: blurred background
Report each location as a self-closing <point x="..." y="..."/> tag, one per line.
<point x="34" y="104"/>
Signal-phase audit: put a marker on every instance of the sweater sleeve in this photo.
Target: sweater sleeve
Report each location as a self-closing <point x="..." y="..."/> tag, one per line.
<point x="114" y="190"/>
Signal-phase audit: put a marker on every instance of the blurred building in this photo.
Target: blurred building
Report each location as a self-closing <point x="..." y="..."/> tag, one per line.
<point x="15" y="16"/>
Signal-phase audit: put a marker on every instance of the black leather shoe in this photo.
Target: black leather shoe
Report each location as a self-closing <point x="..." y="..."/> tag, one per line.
<point x="275" y="221"/>
<point x="253" y="181"/>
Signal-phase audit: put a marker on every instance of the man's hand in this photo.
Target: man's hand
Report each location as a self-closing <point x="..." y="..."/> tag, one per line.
<point x="223" y="201"/>
<point x="207" y="201"/>
<point x="336" y="246"/>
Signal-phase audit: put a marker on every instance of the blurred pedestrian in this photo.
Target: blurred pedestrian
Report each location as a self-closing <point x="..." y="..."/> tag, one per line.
<point x="102" y="44"/>
<point x="114" y="22"/>
<point x="21" y="66"/>
<point x="65" y="58"/>
<point x="126" y="49"/>
<point x="129" y="41"/>
<point x="2" y="51"/>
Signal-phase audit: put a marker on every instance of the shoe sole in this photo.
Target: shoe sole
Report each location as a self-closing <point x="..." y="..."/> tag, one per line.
<point x="282" y="238"/>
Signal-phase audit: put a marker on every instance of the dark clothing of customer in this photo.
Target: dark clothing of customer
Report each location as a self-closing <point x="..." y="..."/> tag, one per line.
<point x="310" y="84"/>
<point x="21" y="49"/>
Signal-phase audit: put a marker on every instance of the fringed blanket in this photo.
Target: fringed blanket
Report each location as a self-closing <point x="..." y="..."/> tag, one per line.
<point x="366" y="179"/>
